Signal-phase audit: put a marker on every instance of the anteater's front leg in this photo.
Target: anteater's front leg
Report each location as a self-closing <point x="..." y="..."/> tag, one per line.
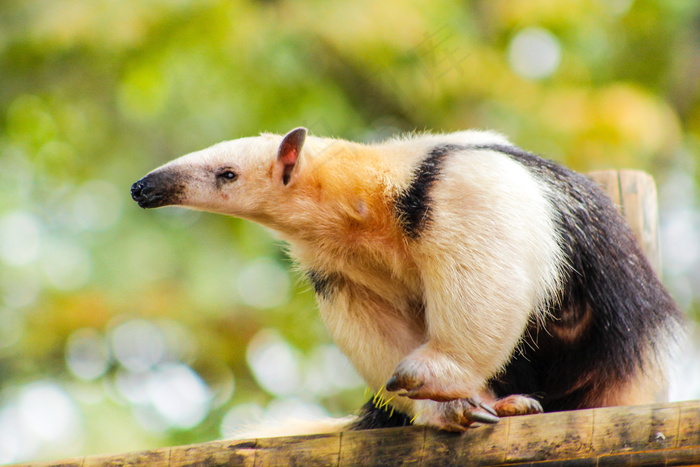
<point x="476" y="314"/>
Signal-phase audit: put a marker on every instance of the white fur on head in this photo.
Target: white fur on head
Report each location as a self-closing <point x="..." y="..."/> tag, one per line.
<point x="258" y="169"/>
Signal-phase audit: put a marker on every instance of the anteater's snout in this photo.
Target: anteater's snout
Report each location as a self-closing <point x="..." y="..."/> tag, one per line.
<point x="157" y="189"/>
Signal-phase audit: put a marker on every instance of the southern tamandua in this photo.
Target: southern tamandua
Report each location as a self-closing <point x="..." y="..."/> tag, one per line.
<point x="464" y="275"/>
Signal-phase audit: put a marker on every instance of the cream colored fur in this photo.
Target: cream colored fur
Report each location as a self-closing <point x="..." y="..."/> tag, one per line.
<point x="483" y="267"/>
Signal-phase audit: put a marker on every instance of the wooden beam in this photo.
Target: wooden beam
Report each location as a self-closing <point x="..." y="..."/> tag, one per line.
<point x="659" y="434"/>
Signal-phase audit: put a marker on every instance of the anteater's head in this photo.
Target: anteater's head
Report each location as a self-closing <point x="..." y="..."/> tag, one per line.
<point x="242" y="178"/>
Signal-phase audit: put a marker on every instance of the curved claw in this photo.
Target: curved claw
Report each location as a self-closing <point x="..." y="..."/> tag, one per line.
<point x="393" y="384"/>
<point x="489" y="409"/>
<point x="477" y="403"/>
<point x="412" y="386"/>
<point x="482" y="417"/>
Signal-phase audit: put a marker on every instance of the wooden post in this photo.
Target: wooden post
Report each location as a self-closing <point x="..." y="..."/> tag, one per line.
<point x="634" y="192"/>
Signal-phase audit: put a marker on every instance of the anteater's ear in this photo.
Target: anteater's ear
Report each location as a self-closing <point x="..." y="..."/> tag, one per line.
<point x="288" y="154"/>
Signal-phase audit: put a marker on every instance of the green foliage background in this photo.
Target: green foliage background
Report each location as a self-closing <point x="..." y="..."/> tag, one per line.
<point x="95" y="93"/>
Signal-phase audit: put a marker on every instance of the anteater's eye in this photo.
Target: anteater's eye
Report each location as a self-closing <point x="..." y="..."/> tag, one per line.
<point x="227" y="175"/>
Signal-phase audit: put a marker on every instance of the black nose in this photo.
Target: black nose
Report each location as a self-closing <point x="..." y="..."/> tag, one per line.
<point x="137" y="191"/>
<point x="148" y="192"/>
<point x="159" y="188"/>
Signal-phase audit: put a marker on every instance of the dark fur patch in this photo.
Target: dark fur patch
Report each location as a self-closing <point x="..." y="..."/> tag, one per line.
<point x="610" y="284"/>
<point x="413" y="205"/>
<point x="324" y="284"/>
<point x="371" y="417"/>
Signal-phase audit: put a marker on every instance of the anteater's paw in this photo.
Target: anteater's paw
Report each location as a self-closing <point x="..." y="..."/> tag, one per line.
<point x="517" y="404"/>
<point x="458" y="415"/>
<point x="421" y="376"/>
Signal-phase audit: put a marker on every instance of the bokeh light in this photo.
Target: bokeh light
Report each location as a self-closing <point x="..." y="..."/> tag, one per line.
<point x="275" y="363"/>
<point x="534" y="53"/>
<point x="66" y="264"/>
<point x="20" y="238"/>
<point x="138" y="345"/>
<point x="87" y="354"/>
<point x="263" y="284"/>
<point x="96" y="205"/>
<point x="179" y="395"/>
<point x="41" y="417"/>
